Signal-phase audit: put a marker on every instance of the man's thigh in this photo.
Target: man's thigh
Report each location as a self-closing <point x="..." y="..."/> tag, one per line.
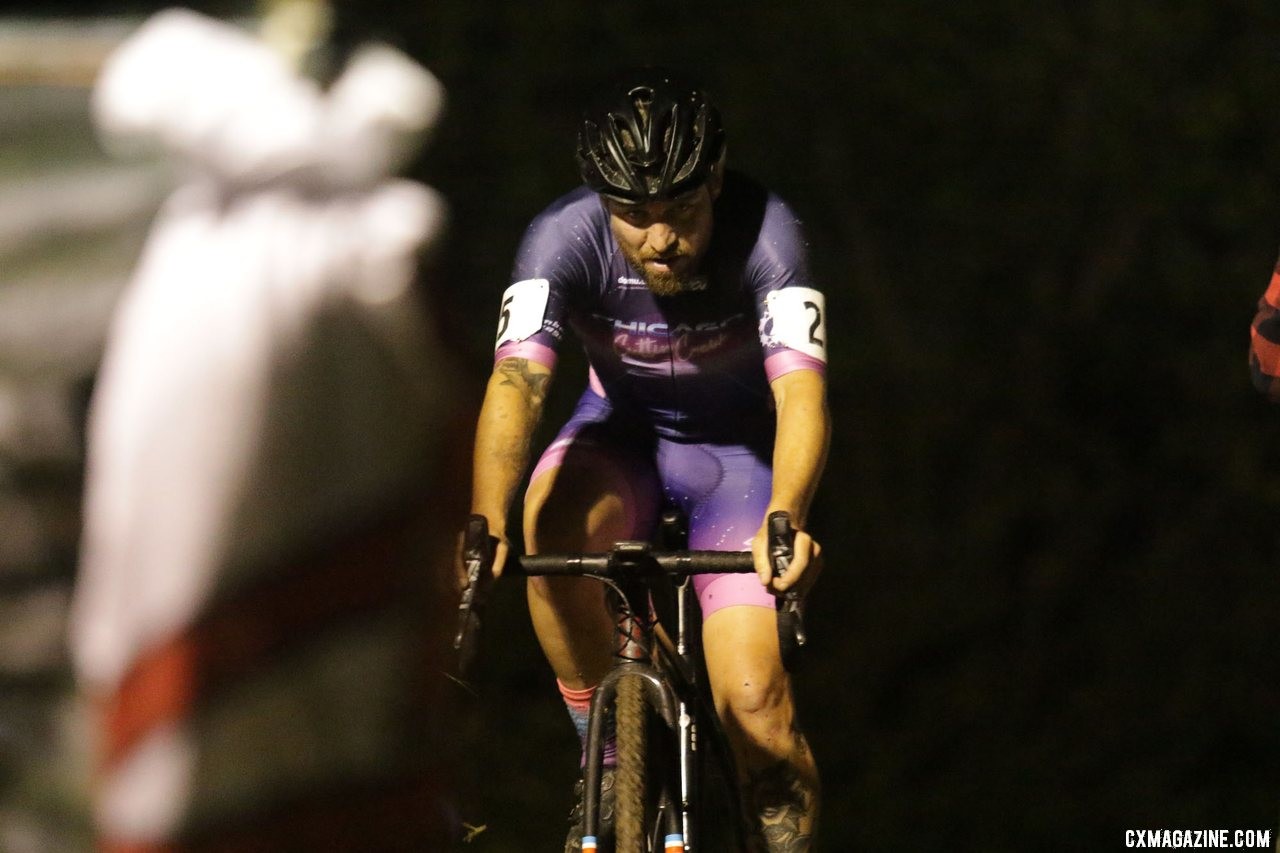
<point x="740" y="645"/>
<point x="594" y="485"/>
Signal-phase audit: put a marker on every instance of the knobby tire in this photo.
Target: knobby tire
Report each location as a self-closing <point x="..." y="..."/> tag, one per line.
<point x="630" y="826"/>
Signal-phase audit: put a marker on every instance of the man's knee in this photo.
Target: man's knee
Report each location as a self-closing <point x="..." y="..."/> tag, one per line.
<point x="752" y="689"/>
<point x="758" y="703"/>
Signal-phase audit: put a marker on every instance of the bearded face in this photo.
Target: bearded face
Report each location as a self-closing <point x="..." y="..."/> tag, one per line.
<point x="665" y="240"/>
<point x="666" y="275"/>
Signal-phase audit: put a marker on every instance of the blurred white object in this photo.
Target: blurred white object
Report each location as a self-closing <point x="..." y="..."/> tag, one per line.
<point x="214" y="95"/>
<point x="269" y="377"/>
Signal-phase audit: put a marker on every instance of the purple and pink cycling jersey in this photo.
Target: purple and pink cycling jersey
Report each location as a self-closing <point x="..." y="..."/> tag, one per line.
<point x="678" y="404"/>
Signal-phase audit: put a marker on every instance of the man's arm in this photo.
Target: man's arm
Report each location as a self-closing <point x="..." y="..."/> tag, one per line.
<point x="510" y="414"/>
<point x="799" y="455"/>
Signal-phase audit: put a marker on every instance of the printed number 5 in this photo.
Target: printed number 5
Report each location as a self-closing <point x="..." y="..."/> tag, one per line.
<point x="506" y="317"/>
<point x="817" y="321"/>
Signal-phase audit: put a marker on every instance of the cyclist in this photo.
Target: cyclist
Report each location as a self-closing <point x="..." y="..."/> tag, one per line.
<point x="688" y="287"/>
<point x="1264" y="341"/>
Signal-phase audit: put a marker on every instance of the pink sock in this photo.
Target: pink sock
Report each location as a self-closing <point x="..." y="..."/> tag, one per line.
<point x="578" y="702"/>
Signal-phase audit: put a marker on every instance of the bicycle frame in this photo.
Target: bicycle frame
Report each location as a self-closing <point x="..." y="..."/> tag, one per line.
<point x="671" y="678"/>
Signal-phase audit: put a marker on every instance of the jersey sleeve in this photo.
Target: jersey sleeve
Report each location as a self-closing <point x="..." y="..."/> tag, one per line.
<point x="1264" y="341"/>
<point x="791" y="311"/>
<point x="550" y="263"/>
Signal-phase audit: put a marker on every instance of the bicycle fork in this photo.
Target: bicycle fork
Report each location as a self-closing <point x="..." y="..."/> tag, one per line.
<point x="658" y="696"/>
<point x="635" y="650"/>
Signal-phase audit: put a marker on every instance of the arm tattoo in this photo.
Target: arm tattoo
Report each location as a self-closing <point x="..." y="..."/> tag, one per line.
<point x="516" y="373"/>
<point x="781" y="807"/>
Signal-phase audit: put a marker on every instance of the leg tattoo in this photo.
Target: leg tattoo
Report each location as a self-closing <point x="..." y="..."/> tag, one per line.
<point x="781" y="810"/>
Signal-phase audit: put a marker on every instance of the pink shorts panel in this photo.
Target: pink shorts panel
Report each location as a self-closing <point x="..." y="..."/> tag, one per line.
<point x="719" y="591"/>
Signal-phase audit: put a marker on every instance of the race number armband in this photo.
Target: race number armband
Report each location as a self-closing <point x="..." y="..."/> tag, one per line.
<point x="524" y="304"/>
<point x="795" y="318"/>
<point x="524" y="308"/>
<point x="793" y="331"/>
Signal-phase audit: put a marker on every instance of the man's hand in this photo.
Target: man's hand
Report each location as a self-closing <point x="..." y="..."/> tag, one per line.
<point x="806" y="564"/>
<point x="501" y="547"/>
<point x="480" y="558"/>
<point x="500" y="550"/>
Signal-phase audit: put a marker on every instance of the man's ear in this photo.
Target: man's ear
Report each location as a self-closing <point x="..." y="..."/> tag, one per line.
<point x="716" y="181"/>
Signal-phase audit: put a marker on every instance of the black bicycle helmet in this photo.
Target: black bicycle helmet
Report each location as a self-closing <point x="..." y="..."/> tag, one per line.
<point x="652" y="136"/>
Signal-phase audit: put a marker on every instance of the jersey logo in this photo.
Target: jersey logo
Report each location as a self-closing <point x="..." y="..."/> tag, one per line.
<point x="641" y="343"/>
<point x="524" y="305"/>
<point x="795" y="318"/>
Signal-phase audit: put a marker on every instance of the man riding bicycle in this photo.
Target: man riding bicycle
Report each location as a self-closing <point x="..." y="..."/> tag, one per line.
<point x="688" y="286"/>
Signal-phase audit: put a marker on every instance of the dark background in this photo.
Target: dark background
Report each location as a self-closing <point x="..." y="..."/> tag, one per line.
<point x="1049" y="610"/>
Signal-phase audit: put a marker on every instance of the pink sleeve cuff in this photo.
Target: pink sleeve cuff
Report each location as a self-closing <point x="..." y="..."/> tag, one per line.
<point x="789" y="360"/>
<point x="536" y="353"/>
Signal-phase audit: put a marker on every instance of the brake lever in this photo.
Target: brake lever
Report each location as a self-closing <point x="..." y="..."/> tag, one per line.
<point x="478" y="549"/>
<point x="791" y="630"/>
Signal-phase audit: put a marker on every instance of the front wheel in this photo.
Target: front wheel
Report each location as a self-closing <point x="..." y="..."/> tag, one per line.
<point x="629" y="779"/>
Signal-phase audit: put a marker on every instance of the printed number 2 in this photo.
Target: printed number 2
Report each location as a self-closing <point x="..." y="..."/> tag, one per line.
<point x="506" y="317"/>
<point x="817" y="321"/>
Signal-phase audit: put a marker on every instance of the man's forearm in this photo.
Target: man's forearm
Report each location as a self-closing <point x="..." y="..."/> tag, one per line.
<point x="512" y="407"/>
<point x="800" y="450"/>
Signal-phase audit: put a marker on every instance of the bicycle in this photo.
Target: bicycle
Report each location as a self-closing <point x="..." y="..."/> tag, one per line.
<point x="668" y="738"/>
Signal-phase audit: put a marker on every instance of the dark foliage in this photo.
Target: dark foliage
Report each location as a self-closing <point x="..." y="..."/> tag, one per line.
<point x="1042" y="229"/>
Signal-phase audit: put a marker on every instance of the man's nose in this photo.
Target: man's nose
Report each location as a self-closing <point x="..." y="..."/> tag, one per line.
<point x="662" y="237"/>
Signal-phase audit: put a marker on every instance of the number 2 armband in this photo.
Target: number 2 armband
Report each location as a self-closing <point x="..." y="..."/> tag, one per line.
<point x="524" y="307"/>
<point x="793" y="331"/>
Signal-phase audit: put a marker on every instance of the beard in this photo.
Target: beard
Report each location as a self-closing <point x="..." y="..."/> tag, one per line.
<point x="664" y="283"/>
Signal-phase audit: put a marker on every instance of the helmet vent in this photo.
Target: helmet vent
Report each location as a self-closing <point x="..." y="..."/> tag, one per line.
<point x="642" y="101"/>
<point x="654" y="137"/>
<point x="628" y="141"/>
<point x="699" y="134"/>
